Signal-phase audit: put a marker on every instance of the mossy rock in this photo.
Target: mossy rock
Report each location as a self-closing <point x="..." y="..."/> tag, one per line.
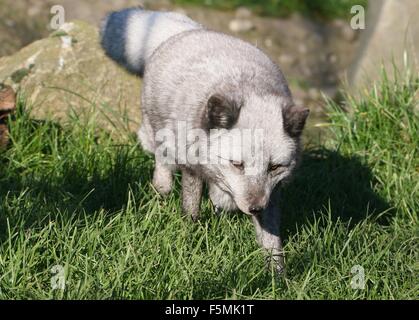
<point x="69" y="71"/>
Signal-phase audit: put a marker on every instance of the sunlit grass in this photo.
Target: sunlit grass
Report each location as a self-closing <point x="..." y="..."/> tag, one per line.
<point x="72" y="196"/>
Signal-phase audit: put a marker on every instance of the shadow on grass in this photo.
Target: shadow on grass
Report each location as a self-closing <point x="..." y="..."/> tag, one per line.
<point x="326" y="179"/>
<point x="79" y="186"/>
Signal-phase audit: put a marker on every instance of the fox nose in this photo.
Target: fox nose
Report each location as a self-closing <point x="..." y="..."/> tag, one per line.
<point x="255" y="210"/>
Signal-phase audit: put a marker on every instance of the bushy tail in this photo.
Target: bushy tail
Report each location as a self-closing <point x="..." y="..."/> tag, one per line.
<point x="130" y="36"/>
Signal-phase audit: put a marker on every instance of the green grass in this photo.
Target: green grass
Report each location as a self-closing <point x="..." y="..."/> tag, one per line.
<point x="319" y="9"/>
<point x="72" y="196"/>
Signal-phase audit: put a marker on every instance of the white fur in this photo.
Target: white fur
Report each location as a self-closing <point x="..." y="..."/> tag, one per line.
<point x="146" y="30"/>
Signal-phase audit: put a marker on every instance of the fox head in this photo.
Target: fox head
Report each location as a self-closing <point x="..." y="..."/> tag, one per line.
<point x="255" y="145"/>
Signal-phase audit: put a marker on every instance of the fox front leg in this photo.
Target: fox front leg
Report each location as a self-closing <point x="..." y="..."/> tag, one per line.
<point x="191" y="194"/>
<point x="267" y="234"/>
<point x="162" y="178"/>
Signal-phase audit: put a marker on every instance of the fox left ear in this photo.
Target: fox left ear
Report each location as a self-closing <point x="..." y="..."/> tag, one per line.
<point x="294" y="119"/>
<point x="221" y="112"/>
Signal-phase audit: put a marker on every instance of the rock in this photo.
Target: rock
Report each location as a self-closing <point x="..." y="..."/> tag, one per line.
<point x="302" y="48"/>
<point x="35" y="9"/>
<point x="241" y="25"/>
<point x="301" y="28"/>
<point x="331" y="79"/>
<point x="268" y="42"/>
<point x="306" y="70"/>
<point x="314" y="94"/>
<point x="7" y="100"/>
<point x="4" y="135"/>
<point x="287" y="59"/>
<point x="243" y="13"/>
<point x="298" y="101"/>
<point x="344" y="29"/>
<point x="69" y="71"/>
<point x="332" y="58"/>
<point x="181" y="11"/>
<point x="348" y="33"/>
<point x="392" y="29"/>
<point x="7" y="106"/>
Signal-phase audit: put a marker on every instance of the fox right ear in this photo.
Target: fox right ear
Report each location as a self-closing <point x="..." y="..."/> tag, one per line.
<point x="221" y="112"/>
<point x="294" y="119"/>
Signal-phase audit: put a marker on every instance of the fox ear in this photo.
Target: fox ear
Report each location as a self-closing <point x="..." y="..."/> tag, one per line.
<point x="294" y="119"/>
<point x="221" y="112"/>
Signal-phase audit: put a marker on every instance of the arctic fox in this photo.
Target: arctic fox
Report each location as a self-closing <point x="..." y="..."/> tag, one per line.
<point x="199" y="79"/>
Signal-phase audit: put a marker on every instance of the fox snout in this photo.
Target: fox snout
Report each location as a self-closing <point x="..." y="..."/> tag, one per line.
<point x="256" y="210"/>
<point x="258" y="203"/>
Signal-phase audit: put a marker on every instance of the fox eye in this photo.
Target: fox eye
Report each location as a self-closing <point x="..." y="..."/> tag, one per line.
<point x="238" y="164"/>
<point x="274" y="167"/>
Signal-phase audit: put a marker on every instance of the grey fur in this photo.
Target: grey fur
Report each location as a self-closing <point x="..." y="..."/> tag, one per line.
<point x="191" y="193"/>
<point x="123" y="33"/>
<point x="207" y="80"/>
